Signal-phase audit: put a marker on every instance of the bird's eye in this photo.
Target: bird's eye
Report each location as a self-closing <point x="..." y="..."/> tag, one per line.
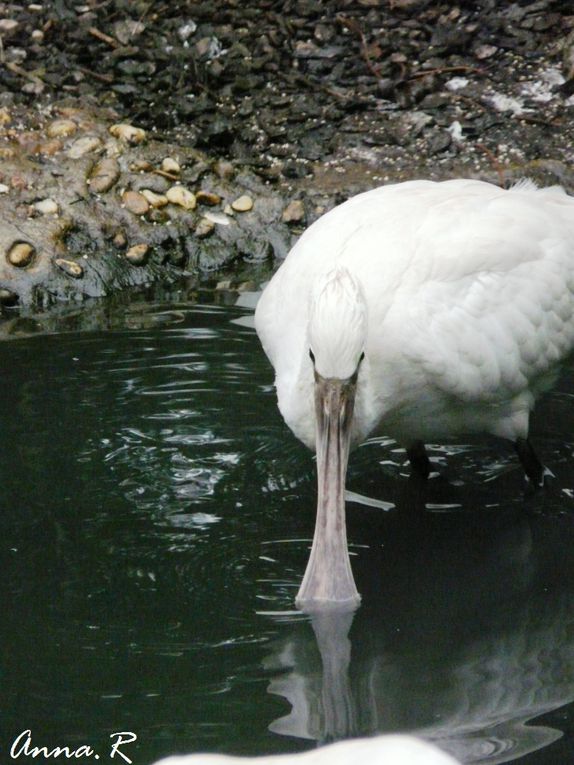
<point x="311" y="355"/>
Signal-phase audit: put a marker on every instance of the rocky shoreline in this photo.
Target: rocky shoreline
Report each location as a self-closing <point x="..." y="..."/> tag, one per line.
<point x="151" y="143"/>
<point x="93" y="206"/>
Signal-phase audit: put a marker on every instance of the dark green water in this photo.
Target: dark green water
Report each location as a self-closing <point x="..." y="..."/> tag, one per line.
<point x="155" y="519"/>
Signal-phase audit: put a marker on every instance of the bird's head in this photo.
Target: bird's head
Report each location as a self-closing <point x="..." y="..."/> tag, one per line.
<point x="337" y="334"/>
<point x="337" y="325"/>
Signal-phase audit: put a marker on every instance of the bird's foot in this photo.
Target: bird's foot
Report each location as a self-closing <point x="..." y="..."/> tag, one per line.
<point x="538" y="475"/>
<point x="543" y="482"/>
<point x="419" y="459"/>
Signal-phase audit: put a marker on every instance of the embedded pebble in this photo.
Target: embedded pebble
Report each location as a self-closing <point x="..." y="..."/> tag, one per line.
<point x="171" y="166"/>
<point x="128" y="133"/>
<point x="159" y="215"/>
<point x="127" y="30"/>
<point x="485" y="51"/>
<point x="224" y="169"/>
<point x="7" y="25"/>
<point x="155" y="200"/>
<point x="83" y="146"/>
<point x="104" y="174"/>
<point x="207" y="198"/>
<point x="47" y="206"/>
<point x="137" y="254"/>
<point x="70" y="267"/>
<point x="8" y="298"/>
<point x="179" y="195"/>
<point x="4" y="189"/>
<point x="61" y="128"/>
<point x="135" y="202"/>
<point x="204" y="228"/>
<point x="294" y="212"/>
<point x="159" y="184"/>
<point x="51" y="147"/>
<point x="21" y="254"/>
<point x="34" y="88"/>
<point x="217" y="217"/>
<point x="243" y="203"/>
<point x="141" y="166"/>
<point x="120" y="240"/>
<point x="186" y="30"/>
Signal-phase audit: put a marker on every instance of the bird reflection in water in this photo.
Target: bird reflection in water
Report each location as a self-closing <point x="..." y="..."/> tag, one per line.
<point x="466" y="635"/>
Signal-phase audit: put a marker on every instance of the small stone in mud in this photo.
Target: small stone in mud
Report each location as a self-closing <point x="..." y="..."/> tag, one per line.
<point x="47" y="206"/>
<point x="224" y="170"/>
<point x="207" y="198"/>
<point x="84" y="146"/>
<point x="294" y="212"/>
<point x="21" y="254"/>
<point x="141" y="166"/>
<point x="49" y="148"/>
<point x="8" y="25"/>
<point x="126" y="30"/>
<point x="440" y="141"/>
<point x="128" y="133"/>
<point x="179" y="195"/>
<point x="61" y="128"/>
<point x="243" y="203"/>
<point x="485" y="51"/>
<point x="171" y="166"/>
<point x="155" y="200"/>
<point x="135" y="202"/>
<point x="120" y="240"/>
<point x="8" y="298"/>
<point x="4" y="189"/>
<point x="217" y="217"/>
<point x="204" y="228"/>
<point x="159" y="215"/>
<point x="104" y="175"/>
<point x="70" y="267"/>
<point x="137" y="254"/>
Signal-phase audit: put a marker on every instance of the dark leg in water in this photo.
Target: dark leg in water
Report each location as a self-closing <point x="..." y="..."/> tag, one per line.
<point x="533" y="468"/>
<point x="419" y="460"/>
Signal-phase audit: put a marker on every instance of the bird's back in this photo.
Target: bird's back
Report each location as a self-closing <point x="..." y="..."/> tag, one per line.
<point x="470" y="288"/>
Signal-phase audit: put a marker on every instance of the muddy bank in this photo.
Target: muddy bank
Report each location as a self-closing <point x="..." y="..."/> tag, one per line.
<point x="144" y="142"/>
<point x="90" y="206"/>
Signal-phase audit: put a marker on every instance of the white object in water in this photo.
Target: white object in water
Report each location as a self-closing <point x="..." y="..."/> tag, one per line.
<point x="380" y="750"/>
<point x="421" y="311"/>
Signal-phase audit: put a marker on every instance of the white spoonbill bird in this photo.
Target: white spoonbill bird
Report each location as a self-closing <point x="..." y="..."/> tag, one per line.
<point x="393" y="749"/>
<point x="422" y="311"/>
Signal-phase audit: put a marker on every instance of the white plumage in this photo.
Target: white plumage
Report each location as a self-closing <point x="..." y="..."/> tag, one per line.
<point x="379" y="750"/>
<point x="462" y="300"/>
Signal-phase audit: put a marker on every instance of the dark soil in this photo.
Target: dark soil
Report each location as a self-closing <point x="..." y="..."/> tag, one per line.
<point x="306" y="100"/>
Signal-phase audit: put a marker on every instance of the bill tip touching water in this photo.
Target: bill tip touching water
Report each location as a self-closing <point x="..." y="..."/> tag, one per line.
<point x="424" y="312"/>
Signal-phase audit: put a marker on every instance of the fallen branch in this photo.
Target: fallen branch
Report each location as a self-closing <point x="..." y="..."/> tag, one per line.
<point x="353" y="26"/>
<point x="444" y="70"/>
<point x="32" y="76"/>
<point x="107" y="78"/>
<point x="111" y="41"/>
